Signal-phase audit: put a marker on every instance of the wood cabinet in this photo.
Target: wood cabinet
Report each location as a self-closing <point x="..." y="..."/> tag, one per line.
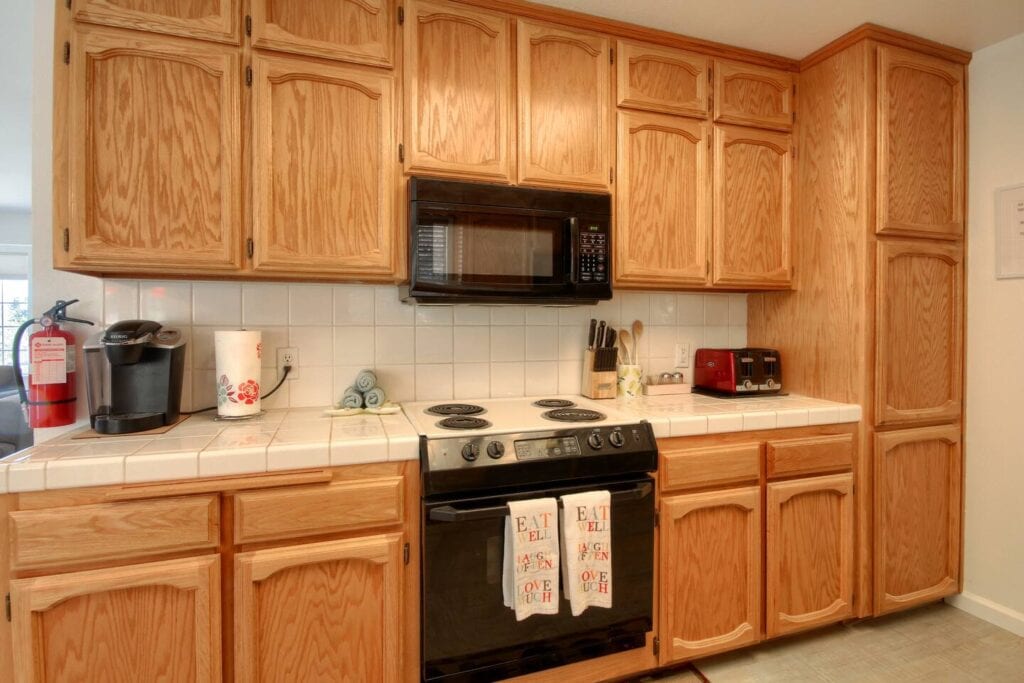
<point x="917" y="516"/>
<point x="752" y="207"/>
<point x="809" y="553"/>
<point x="565" y="135"/>
<point x="663" y="200"/>
<point x="710" y="587"/>
<point x="750" y="95"/>
<point x="458" y="91"/>
<point x="920" y="145"/>
<point x="217" y="20"/>
<point x="339" y="599"/>
<point x="351" y="30"/>
<point x="661" y="79"/>
<point x="156" y="621"/>
<point x="325" y="171"/>
<point x="919" y="342"/>
<point x="155" y="165"/>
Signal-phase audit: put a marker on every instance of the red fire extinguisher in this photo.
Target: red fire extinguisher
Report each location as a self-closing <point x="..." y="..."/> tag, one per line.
<point x="50" y="398"/>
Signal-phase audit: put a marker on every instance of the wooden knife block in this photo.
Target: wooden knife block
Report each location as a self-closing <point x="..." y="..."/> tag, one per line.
<point x="596" y="383"/>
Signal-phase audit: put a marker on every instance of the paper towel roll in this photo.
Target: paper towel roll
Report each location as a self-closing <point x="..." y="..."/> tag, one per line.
<point x="238" y="354"/>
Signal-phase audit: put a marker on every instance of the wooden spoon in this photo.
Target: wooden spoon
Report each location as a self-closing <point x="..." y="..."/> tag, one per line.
<point x="638" y="330"/>
<point x="626" y="342"/>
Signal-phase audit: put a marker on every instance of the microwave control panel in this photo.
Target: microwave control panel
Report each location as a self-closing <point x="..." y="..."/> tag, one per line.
<point x="593" y="253"/>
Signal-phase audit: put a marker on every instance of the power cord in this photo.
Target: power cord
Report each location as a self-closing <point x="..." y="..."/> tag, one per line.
<point x="284" y="375"/>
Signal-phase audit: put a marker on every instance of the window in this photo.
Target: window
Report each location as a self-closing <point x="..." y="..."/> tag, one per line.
<point x="15" y="311"/>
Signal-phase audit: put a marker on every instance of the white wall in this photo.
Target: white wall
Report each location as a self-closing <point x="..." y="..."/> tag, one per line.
<point x="15" y="226"/>
<point x="994" y="441"/>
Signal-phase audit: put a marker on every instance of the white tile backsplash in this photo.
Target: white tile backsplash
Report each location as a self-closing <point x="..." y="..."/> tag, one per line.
<point x="424" y="352"/>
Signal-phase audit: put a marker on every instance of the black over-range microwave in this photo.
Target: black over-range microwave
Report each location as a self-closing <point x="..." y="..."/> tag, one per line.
<point x="481" y="243"/>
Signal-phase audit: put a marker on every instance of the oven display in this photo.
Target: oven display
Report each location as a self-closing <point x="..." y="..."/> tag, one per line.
<point x="535" y="449"/>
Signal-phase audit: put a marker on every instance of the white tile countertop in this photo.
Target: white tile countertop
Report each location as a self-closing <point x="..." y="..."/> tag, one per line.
<point x="304" y="438"/>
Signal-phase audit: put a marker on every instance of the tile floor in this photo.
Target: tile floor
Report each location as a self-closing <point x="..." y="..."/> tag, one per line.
<point x="936" y="643"/>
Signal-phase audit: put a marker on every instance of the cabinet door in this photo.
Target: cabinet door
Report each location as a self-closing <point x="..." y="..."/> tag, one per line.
<point x="325" y="169"/>
<point x="752" y="208"/>
<point x="155" y="165"/>
<point x="919" y="347"/>
<point x="359" y="31"/>
<point x="920" y="145"/>
<point x="753" y="95"/>
<point x="917" y="516"/>
<point x="564" y="107"/>
<point x="146" y="622"/>
<point x="206" y="19"/>
<point x="809" y="554"/>
<point x="710" y="571"/>
<point x="324" y="611"/>
<point x="458" y="91"/>
<point x="663" y="201"/>
<point x="661" y="79"/>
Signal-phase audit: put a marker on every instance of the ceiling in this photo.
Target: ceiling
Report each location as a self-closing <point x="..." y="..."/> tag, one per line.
<point x="16" y="18"/>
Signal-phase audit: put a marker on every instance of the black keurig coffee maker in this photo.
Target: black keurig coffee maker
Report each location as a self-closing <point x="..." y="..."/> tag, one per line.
<point x="134" y="371"/>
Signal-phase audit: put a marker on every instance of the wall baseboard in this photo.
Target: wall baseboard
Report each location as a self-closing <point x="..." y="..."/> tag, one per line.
<point x="992" y="612"/>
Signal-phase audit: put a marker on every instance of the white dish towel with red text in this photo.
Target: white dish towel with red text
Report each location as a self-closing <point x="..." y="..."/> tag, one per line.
<point x="529" y="581"/>
<point x="587" y="550"/>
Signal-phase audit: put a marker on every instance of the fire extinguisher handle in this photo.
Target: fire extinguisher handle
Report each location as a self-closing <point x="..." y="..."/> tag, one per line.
<point x="59" y="313"/>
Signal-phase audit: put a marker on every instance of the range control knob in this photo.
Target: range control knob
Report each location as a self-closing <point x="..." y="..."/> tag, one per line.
<point x="470" y="452"/>
<point x="495" y="449"/>
<point x="595" y="441"/>
<point x="747" y="384"/>
<point x="616" y="439"/>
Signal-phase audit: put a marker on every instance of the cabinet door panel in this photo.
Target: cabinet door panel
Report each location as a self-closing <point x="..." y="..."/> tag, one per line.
<point x="663" y="202"/>
<point x="206" y="19"/>
<point x="359" y="31"/>
<point x="147" y="622"/>
<point x="753" y="96"/>
<point x="809" y="577"/>
<point x="710" y="572"/>
<point x="920" y="145"/>
<point x="458" y="91"/>
<point x="752" y="208"/>
<point x="564" y="108"/>
<point x="917" y="516"/>
<point x="920" y="332"/>
<point x="324" y="176"/>
<point x="661" y="79"/>
<point x="155" y="169"/>
<point x="323" y="611"/>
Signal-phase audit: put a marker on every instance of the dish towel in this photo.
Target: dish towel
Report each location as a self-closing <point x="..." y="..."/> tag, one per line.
<point x="587" y="550"/>
<point x="366" y="380"/>
<point x="352" y="398"/>
<point x="529" y="581"/>
<point x="374" y="398"/>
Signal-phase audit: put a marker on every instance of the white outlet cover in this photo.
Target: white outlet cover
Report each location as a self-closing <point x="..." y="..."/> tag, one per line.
<point x="282" y="353"/>
<point x="682" y="355"/>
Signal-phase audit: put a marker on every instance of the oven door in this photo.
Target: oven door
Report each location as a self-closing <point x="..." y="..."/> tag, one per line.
<point x="469" y="635"/>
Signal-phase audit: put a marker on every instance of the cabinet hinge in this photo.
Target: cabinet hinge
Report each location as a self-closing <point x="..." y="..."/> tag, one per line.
<point x="248" y="25"/>
<point x="401" y="16"/>
<point x="250" y="247"/>
<point x="794" y="152"/>
<point x="67" y="239"/>
<point x="611" y="56"/>
<point x="711" y="72"/>
<point x="67" y="3"/>
<point x="657" y="517"/>
<point x="401" y="153"/>
<point x="405" y="553"/>
<point x="7" y="606"/>
<point x="657" y="645"/>
<point x="67" y="52"/>
<point x="248" y="76"/>
<point x="611" y="174"/>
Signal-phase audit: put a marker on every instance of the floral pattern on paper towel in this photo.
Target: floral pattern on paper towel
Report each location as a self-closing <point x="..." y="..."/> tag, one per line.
<point x="248" y="392"/>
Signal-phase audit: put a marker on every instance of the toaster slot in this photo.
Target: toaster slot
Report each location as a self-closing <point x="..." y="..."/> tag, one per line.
<point x="746" y="367"/>
<point x="770" y="366"/>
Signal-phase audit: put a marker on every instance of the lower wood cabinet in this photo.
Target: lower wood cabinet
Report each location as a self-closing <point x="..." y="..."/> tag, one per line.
<point x="143" y="622"/>
<point x="809" y="553"/>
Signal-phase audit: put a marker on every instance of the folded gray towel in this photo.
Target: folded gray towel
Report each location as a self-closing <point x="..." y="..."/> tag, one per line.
<point x="366" y="380"/>
<point x="352" y="398"/>
<point x="374" y="398"/>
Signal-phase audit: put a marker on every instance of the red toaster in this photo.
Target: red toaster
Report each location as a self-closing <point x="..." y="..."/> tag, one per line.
<point x="736" y="372"/>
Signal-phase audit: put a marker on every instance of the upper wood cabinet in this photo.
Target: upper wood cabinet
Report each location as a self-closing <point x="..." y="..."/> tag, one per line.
<point x="155" y="165"/>
<point x="217" y="20"/>
<point x="321" y="611"/>
<point x="146" y="622"/>
<point x="919" y="338"/>
<point x="809" y="573"/>
<point x="325" y="169"/>
<point x="917" y="516"/>
<point x="920" y="145"/>
<point x="663" y="200"/>
<point x="753" y="194"/>
<point x="458" y="91"/>
<point x="565" y="136"/>
<point x="710" y="585"/>
<point x="359" y="31"/>
<point x="753" y="96"/>
<point x="661" y="79"/>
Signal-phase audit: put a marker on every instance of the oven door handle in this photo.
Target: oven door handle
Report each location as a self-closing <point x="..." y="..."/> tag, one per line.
<point x="447" y="513"/>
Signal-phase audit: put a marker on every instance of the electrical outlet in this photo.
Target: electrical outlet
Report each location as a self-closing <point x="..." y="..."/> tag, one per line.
<point x="288" y="355"/>
<point x="682" y="355"/>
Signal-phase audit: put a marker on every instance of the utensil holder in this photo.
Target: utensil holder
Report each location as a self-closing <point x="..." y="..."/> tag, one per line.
<point x="599" y="376"/>
<point x="628" y="380"/>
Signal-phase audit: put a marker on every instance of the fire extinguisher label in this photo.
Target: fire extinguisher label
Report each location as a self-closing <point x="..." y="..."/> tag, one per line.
<point x="49" y="364"/>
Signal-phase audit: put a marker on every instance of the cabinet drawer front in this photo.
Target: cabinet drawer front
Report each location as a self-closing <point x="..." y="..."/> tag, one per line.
<point x="107" y="531"/>
<point x="718" y="465"/>
<point x="318" y="509"/>
<point x="809" y="456"/>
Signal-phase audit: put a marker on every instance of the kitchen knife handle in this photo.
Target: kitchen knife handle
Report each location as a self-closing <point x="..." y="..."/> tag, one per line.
<point x="600" y="334"/>
<point x="591" y="337"/>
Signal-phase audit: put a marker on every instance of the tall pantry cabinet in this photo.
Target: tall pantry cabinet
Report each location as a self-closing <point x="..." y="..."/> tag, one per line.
<point x="876" y="317"/>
